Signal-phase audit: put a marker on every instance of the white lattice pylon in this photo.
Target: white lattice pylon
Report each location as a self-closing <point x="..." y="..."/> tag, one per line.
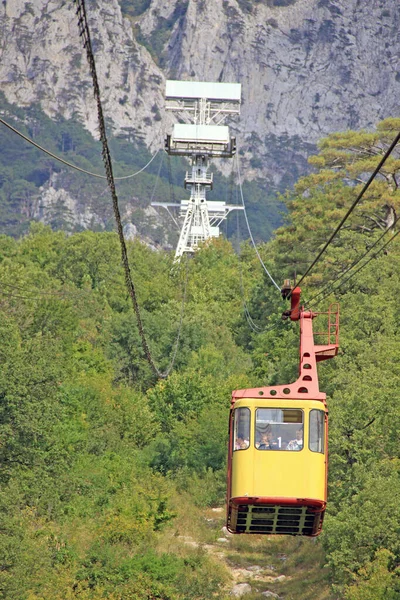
<point x="205" y="105"/>
<point x="196" y="225"/>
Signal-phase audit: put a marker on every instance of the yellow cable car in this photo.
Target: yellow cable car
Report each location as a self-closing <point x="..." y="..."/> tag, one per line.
<point x="278" y="444"/>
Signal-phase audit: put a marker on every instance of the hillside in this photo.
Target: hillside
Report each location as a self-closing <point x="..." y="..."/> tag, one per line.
<point x="109" y="477"/>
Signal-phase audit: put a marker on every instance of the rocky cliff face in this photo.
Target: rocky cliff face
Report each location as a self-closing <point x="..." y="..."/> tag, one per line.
<point x="42" y="61"/>
<point x="307" y="67"/>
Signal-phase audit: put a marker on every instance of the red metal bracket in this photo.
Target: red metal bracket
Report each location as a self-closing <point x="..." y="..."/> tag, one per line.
<point x="306" y="386"/>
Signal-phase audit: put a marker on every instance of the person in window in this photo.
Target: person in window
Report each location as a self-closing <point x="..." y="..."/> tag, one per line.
<point x="296" y="444"/>
<point x="241" y="444"/>
<point x="267" y="443"/>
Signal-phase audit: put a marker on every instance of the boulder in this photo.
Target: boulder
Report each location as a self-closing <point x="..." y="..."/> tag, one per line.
<point x="240" y="589"/>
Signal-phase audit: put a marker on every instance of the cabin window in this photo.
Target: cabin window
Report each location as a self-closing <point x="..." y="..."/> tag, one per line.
<point x="241" y="437"/>
<point x="279" y="429"/>
<point x="317" y="431"/>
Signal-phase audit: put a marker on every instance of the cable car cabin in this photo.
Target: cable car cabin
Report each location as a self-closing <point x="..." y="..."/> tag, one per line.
<point x="278" y="444"/>
<point x="278" y="464"/>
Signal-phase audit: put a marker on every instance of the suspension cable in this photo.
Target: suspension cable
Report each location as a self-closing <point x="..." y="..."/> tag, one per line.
<point x="85" y="34"/>
<point x="57" y="294"/>
<point x="352" y="207"/>
<point x="157" y="178"/>
<point x="248" y="227"/>
<point x="170" y="180"/>
<point x="354" y="263"/>
<point x="65" y="162"/>
<point x="250" y="321"/>
<point x="178" y="335"/>
<point x="374" y="255"/>
<point x="256" y="328"/>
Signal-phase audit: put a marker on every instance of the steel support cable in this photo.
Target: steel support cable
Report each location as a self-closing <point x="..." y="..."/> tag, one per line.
<point x="27" y="290"/>
<point x="10" y="295"/>
<point x="65" y="162"/>
<point x="170" y="180"/>
<point x="58" y="293"/>
<point x="354" y="264"/>
<point x="183" y="303"/>
<point x="85" y="34"/>
<point x="250" y="321"/>
<point x="352" y="207"/>
<point x="374" y="255"/>
<point x="248" y="227"/>
<point x="157" y="178"/>
<point x="256" y="328"/>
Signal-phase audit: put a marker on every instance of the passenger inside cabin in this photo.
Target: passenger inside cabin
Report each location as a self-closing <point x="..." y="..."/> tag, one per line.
<point x="296" y="444"/>
<point x="267" y="443"/>
<point x="241" y="444"/>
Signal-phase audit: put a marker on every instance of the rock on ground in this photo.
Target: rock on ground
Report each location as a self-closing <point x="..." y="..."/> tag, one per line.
<point x="240" y="589"/>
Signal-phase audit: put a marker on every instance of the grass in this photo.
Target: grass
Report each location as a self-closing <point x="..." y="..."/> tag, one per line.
<point x="300" y="560"/>
<point x="190" y="524"/>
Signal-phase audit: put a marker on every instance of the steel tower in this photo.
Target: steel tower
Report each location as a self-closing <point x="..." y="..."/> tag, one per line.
<point x="205" y="105"/>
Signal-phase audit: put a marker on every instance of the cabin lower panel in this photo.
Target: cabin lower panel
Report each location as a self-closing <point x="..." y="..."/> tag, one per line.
<point x="268" y="516"/>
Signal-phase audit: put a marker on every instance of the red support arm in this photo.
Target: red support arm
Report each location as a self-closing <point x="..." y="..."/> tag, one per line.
<point x="306" y="385"/>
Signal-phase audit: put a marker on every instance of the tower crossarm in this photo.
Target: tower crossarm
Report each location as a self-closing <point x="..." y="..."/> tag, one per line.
<point x="204" y="101"/>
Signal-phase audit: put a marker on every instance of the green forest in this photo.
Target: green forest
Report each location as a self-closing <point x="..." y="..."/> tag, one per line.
<point x="105" y="471"/>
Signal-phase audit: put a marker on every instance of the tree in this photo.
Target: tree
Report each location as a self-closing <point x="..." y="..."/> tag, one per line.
<point x="377" y="581"/>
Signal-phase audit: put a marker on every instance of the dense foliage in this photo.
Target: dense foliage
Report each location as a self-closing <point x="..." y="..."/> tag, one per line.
<point x="87" y="436"/>
<point x="94" y="451"/>
<point x="361" y="531"/>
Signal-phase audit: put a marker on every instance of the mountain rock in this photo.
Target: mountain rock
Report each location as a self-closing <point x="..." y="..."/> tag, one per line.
<point x="307" y="68"/>
<point x="42" y="61"/>
<point x="241" y="589"/>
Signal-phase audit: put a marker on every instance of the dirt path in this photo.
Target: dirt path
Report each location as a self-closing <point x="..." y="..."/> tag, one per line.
<point x="247" y="578"/>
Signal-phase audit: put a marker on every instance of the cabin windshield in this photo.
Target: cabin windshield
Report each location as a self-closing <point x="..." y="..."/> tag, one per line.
<point x="241" y="438"/>
<point x="279" y="429"/>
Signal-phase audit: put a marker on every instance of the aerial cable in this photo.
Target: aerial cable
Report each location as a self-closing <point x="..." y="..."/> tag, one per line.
<point x="248" y="227"/>
<point x="374" y="255"/>
<point x="157" y="178"/>
<point x="39" y="294"/>
<point x="183" y="303"/>
<point x="65" y="162"/>
<point x="352" y="207"/>
<point x="354" y="263"/>
<point x="256" y="328"/>
<point x="10" y="295"/>
<point x="250" y="321"/>
<point x="58" y="293"/>
<point x="170" y="180"/>
<point x="87" y="44"/>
